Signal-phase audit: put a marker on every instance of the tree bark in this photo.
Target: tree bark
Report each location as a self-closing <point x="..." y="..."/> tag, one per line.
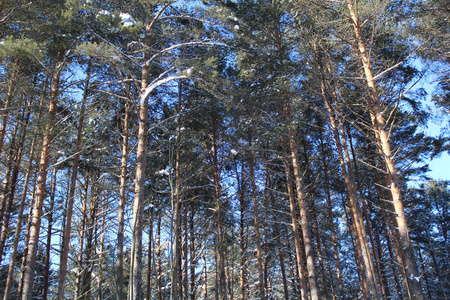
<point x="122" y="197"/>
<point x="219" y="218"/>
<point x="262" y="293"/>
<point x="277" y="236"/>
<point x="382" y="138"/>
<point x="314" y="292"/>
<point x="295" y="231"/>
<point x="49" y="237"/>
<point x="42" y="180"/>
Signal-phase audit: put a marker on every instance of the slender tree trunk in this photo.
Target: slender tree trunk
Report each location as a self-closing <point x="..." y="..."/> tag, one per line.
<point x="73" y="183"/>
<point x="42" y="180"/>
<point x="158" y="255"/>
<point x="177" y="257"/>
<point x="150" y="256"/>
<point x="18" y="229"/>
<point x="9" y="96"/>
<point x="122" y="197"/>
<point x="242" y="244"/>
<point x="261" y="295"/>
<point x="101" y="257"/>
<point x="193" y="256"/>
<point x="218" y="210"/>
<point x="314" y="293"/>
<point x="359" y="229"/>
<point x="366" y="214"/>
<point x="80" y="263"/>
<point x="10" y="188"/>
<point x="27" y="236"/>
<point x="315" y="227"/>
<point x="296" y="233"/>
<point x="277" y="237"/>
<point x="205" y="277"/>
<point x="135" y="287"/>
<point x="391" y="237"/>
<point x="49" y="237"/>
<point x="22" y="207"/>
<point x="185" y="254"/>
<point x="382" y="137"/>
<point x="358" y="216"/>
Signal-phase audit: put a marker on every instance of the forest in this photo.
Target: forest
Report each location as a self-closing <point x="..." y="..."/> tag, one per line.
<point x="224" y="149"/>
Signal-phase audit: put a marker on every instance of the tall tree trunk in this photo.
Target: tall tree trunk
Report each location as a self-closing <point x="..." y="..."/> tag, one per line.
<point x="122" y="197"/>
<point x="358" y="216"/>
<point x="193" y="256"/>
<point x="358" y="225"/>
<point x="277" y="235"/>
<point x="205" y="277"/>
<point x="218" y="210"/>
<point x="42" y="180"/>
<point x="23" y="199"/>
<point x="73" y="183"/>
<point x="314" y="292"/>
<point x="9" y="97"/>
<point x="49" y="237"/>
<point x="315" y="227"/>
<point x="365" y="212"/>
<point x="150" y="256"/>
<point x="295" y="231"/>
<point x="10" y="188"/>
<point x="242" y="244"/>
<point x="382" y="138"/>
<point x="177" y="257"/>
<point x="158" y="254"/>
<point x="18" y="229"/>
<point x="135" y="286"/>
<point x="262" y="294"/>
<point x="101" y="257"/>
<point x="83" y="229"/>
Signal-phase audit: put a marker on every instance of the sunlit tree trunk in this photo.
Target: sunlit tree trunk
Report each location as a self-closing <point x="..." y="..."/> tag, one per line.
<point x="49" y="236"/>
<point x="42" y="180"/>
<point x="382" y="138"/>
<point x="122" y="196"/>
<point x="306" y="234"/>
<point x="21" y="209"/>
<point x="297" y="243"/>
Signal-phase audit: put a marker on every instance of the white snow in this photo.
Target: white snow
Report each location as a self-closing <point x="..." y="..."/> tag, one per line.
<point x="104" y="13"/>
<point x="127" y="20"/>
<point x="165" y="171"/>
